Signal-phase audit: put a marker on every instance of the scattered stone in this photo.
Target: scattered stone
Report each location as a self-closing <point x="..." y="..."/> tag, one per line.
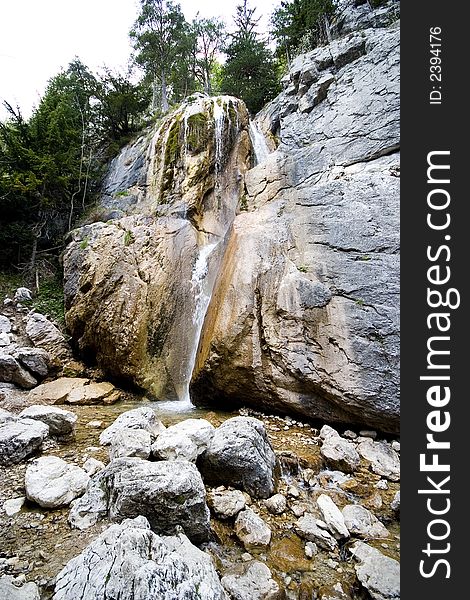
<point x="168" y="493"/>
<point x="382" y="484"/>
<point x="51" y="482"/>
<point x="251" y="530"/>
<point x="226" y="503"/>
<point x="240" y="454"/>
<point x="351" y="435"/>
<point x="251" y="581"/>
<point x="246" y="556"/>
<point x="20" y="439"/>
<point x="396" y="446"/>
<point x="311" y="549"/>
<point x="293" y="491"/>
<point x="5" y="324"/>
<point x="340" y="454"/>
<point x="95" y="424"/>
<point x="130" y="442"/>
<point x="10" y="591"/>
<point x="4" y="340"/>
<point x="45" y="334"/>
<point x="92" y="466"/>
<point x="298" y="508"/>
<point x="172" y="445"/>
<point x="12" y="372"/>
<point x="395" y="504"/>
<point x="334" y="592"/>
<point x="277" y="504"/>
<point x="138" y="418"/>
<point x="308" y="529"/>
<point x="135" y="562"/>
<point x="363" y="523"/>
<point x="35" y="360"/>
<point x="200" y="432"/>
<point x="332" y="516"/>
<point x="326" y="432"/>
<point x="13" y="506"/>
<point x="94" y="393"/>
<point x="23" y="294"/>
<point x="384" y="460"/>
<point x="57" y="391"/>
<point x="374" y="500"/>
<point x="61" y="422"/>
<point x="367" y="433"/>
<point x="379" y="574"/>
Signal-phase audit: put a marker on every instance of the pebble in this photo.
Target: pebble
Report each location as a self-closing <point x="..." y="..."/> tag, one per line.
<point x="311" y="549"/>
<point x="368" y="433"/>
<point x="293" y="491"/>
<point x="350" y="434"/>
<point x="396" y="446"/>
<point x="332" y="563"/>
<point x="382" y="484"/>
<point x="95" y="424"/>
<point x="246" y="556"/>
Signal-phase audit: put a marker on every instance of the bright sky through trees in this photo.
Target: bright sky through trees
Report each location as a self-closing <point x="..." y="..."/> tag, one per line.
<point x="39" y="37"/>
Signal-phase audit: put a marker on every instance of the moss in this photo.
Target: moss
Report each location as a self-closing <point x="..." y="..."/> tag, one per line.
<point x="302" y="268"/>
<point x="172" y="153"/>
<point x="122" y="194"/>
<point x="244" y="203"/>
<point x="197" y="136"/>
<point x="129" y="238"/>
<point x="84" y="244"/>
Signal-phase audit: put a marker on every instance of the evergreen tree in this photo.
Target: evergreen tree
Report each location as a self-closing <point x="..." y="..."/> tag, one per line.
<point x="250" y="69"/>
<point x="209" y="34"/>
<point x="160" y="42"/>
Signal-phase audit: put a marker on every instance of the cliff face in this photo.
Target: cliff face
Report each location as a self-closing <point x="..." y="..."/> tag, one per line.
<point x="305" y="313"/>
<point x="136" y="282"/>
<point x="296" y="259"/>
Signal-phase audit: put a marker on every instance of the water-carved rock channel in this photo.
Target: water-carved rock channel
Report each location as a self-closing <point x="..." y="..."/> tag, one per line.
<point x="224" y="422"/>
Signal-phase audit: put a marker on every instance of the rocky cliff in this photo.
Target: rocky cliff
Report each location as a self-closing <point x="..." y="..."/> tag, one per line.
<point x="295" y="259"/>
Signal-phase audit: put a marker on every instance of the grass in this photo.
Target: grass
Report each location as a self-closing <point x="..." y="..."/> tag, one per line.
<point x="128" y="238"/>
<point x="49" y="299"/>
<point x="303" y="269"/>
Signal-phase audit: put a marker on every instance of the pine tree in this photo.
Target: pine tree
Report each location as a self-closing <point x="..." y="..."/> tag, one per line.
<point x="250" y="71"/>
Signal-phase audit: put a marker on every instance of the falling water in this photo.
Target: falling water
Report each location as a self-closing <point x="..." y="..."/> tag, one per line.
<point x="219" y="118"/>
<point x="259" y="143"/>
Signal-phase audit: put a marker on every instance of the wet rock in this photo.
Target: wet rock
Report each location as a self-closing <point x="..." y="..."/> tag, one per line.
<point x="13" y="506"/>
<point x="9" y="591"/>
<point x="251" y="581"/>
<point x="57" y="391"/>
<point x="20" y="439"/>
<point x="332" y="516"/>
<point x="383" y="459"/>
<point x="92" y="466"/>
<point x="240" y="454"/>
<point x="130" y="442"/>
<point x="129" y="561"/>
<point x="333" y="592"/>
<point x="138" y="418"/>
<point x="311" y="549"/>
<point x="51" y="482"/>
<point x="382" y="484"/>
<point x="226" y="503"/>
<point x="277" y="504"/>
<point x="167" y="493"/>
<point x="309" y="530"/>
<point x="61" y="422"/>
<point x="94" y="393"/>
<point x="363" y="523"/>
<point x="12" y="372"/>
<point x="340" y="454"/>
<point x="395" y="504"/>
<point x="35" y="360"/>
<point x="379" y="574"/>
<point x="251" y="530"/>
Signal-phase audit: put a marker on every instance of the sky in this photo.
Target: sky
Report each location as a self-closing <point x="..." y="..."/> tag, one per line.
<point x="39" y="37"/>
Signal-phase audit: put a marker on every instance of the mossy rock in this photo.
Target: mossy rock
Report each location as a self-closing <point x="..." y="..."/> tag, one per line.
<point x="197" y="136"/>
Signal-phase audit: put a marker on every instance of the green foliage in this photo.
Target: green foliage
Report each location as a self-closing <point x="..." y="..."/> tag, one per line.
<point x="197" y="135"/>
<point x="129" y="238"/>
<point x="84" y="244"/>
<point x="300" y="25"/>
<point x="249" y="72"/>
<point x="49" y="299"/>
<point x="302" y="268"/>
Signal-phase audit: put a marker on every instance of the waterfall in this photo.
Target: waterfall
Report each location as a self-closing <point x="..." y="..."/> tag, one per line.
<point x="219" y="118"/>
<point x="259" y="143"/>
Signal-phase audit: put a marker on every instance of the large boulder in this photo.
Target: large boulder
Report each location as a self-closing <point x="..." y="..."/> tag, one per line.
<point x="136" y="282"/>
<point x="251" y="581"/>
<point x="130" y="562"/>
<point x="130" y="442"/>
<point x="305" y="314"/>
<point x="61" y="422"/>
<point x="44" y="334"/>
<point x="11" y="591"/>
<point x="20" y="438"/>
<point x="363" y="523"/>
<point x="379" y="574"/>
<point x="36" y="360"/>
<point x="240" y="454"/>
<point x="185" y="440"/>
<point x="139" y="418"/>
<point x="168" y="493"/>
<point x="251" y="530"/>
<point x="11" y="371"/>
<point x="382" y="458"/>
<point x="51" y="482"/>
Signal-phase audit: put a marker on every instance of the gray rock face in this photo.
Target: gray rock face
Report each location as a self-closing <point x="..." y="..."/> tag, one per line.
<point x="130" y="442"/>
<point x="35" y="360"/>
<point x="168" y="493"/>
<point x="20" y="439"/>
<point x="252" y="581"/>
<point x="45" y="334"/>
<point x="138" y="418"/>
<point x="363" y="523"/>
<point x="5" y="324"/>
<point x="383" y="459"/>
<point x="23" y="294"/>
<point x="130" y="562"/>
<point x="251" y="530"/>
<point x="9" y="591"/>
<point x="240" y="454"/>
<point x="226" y="504"/>
<point x="61" y="422"/>
<point x="379" y="574"/>
<point x="304" y="316"/>
<point x="51" y="482"/>
<point x="12" y="372"/>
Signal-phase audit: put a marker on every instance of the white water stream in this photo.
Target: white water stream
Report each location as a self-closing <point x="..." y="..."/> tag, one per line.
<point x="259" y="143"/>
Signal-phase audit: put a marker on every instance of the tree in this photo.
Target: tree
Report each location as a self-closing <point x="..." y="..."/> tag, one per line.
<point x="301" y="25"/>
<point x="209" y="38"/>
<point x="159" y="37"/>
<point x="250" y="69"/>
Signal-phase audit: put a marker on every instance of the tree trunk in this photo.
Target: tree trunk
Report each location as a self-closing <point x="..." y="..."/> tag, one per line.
<point x="164" y="92"/>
